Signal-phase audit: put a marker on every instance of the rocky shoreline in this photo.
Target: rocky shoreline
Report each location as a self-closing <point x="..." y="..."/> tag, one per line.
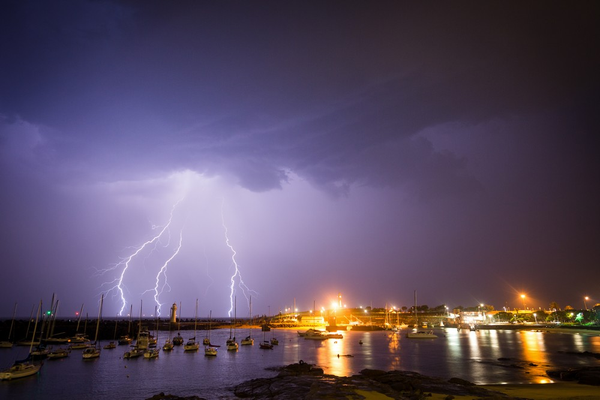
<point x="306" y="381"/>
<point x="309" y="382"/>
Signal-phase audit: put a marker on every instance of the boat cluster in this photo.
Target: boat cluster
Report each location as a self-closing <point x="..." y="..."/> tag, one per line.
<point x="145" y="346"/>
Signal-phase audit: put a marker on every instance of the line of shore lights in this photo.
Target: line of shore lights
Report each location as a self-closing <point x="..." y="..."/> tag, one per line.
<point x="334" y="306"/>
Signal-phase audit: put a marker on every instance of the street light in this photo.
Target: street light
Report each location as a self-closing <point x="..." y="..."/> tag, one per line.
<point x="523" y="297"/>
<point x="585" y="299"/>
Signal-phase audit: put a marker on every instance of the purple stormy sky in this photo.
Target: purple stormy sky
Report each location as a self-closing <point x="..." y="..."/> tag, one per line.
<point x="365" y="148"/>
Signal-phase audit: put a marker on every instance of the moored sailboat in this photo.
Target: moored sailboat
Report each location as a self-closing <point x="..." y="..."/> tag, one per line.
<point x="80" y="340"/>
<point x="232" y="345"/>
<point x="416" y="333"/>
<point x="23" y="368"/>
<point x="248" y="341"/>
<point x="210" y="350"/>
<point x="113" y="344"/>
<point x="168" y="346"/>
<point x="191" y="344"/>
<point x="125" y="340"/>
<point x="178" y="340"/>
<point x="94" y="351"/>
<point x="141" y="344"/>
<point x="265" y="344"/>
<point x="20" y="370"/>
<point x="59" y="353"/>
<point x="153" y="352"/>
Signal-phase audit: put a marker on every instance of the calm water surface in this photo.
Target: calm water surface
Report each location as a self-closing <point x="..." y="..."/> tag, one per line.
<point x="468" y="355"/>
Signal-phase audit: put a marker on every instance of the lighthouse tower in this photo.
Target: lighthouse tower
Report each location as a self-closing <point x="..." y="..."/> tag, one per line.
<point x="174" y="313"/>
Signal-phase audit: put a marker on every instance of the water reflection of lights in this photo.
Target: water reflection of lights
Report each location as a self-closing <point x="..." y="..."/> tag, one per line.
<point x="534" y="351"/>
<point x="595" y="343"/>
<point x="494" y="343"/>
<point x="474" y="345"/>
<point x="454" y="343"/>
<point x="465" y="354"/>
<point x="394" y="342"/>
<point x="578" y="342"/>
<point x="335" y="354"/>
<point x="394" y="347"/>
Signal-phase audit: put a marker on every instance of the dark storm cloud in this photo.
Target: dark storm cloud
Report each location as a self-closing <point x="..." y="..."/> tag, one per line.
<point x="381" y="73"/>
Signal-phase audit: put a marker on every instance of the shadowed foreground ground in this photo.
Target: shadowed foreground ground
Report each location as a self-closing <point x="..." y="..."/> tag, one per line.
<point x="305" y="381"/>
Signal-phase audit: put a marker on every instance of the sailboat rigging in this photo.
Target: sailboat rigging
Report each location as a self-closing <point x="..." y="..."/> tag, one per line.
<point x="153" y="352"/>
<point x="232" y="345"/>
<point x="126" y="339"/>
<point x="210" y="350"/>
<point x="416" y="333"/>
<point x="248" y="341"/>
<point x="191" y="344"/>
<point x="94" y="351"/>
<point x="112" y="344"/>
<point x="23" y="368"/>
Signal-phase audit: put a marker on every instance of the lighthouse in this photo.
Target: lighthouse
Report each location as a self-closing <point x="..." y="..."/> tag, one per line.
<point x="174" y="313"/>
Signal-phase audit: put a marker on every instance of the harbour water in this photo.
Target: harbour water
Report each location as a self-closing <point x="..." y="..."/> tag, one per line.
<point x="483" y="357"/>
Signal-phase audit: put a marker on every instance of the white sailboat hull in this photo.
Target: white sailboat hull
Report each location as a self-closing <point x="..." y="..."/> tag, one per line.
<point x="20" y="371"/>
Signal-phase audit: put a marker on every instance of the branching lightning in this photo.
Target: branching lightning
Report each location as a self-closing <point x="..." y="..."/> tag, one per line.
<point x="117" y="283"/>
<point x="236" y="273"/>
<point x="163" y="271"/>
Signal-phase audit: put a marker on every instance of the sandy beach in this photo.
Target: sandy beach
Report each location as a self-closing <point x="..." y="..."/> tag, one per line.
<point x="552" y="391"/>
<point x="560" y="390"/>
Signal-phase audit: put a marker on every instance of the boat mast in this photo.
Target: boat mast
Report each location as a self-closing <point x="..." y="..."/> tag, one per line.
<point x="37" y="316"/>
<point x="230" y="327"/>
<point x="209" y="326"/>
<point x="98" y="323"/>
<point x="234" y="314"/>
<point x="156" y="326"/>
<point x="140" y="323"/>
<point x="129" y="324"/>
<point x="79" y="319"/>
<point x="12" y="322"/>
<point x="55" y="311"/>
<point x="85" y="325"/>
<point x="49" y="320"/>
<point x="29" y="321"/>
<point x="416" y="315"/>
<point x="196" y="319"/>
<point x="116" y="322"/>
<point x="250" y="330"/>
<point x="42" y="324"/>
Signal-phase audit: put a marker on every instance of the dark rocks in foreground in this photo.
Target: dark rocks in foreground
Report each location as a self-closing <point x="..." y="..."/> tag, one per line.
<point x="305" y="381"/>
<point x="308" y="382"/>
<point x="582" y="354"/>
<point x="162" y="396"/>
<point x="583" y="375"/>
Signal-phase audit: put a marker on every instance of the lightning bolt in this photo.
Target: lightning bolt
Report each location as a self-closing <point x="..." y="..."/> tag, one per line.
<point x="163" y="271"/>
<point x="236" y="273"/>
<point x="125" y="262"/>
